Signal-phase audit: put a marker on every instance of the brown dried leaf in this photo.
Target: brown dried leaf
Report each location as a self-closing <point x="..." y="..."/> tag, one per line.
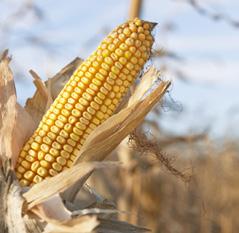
<point x="108" y="135"/>
<point x="22" y="131"/>
<point x="7" y="107"/>
<point x="51" y="186"/>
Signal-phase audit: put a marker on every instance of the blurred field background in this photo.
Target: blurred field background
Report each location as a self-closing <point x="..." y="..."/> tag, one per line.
<point x="189" y="182"/>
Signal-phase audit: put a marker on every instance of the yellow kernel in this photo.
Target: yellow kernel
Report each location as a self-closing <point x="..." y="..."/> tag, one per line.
<point x="138" y="43"/>
<point x="96" y="121"/>
<point x="140" y="29"/>
<point x="57" y="167"/>
<point x="98" y="100"/>
<point x="47" y="140"/>
<point x="62" y="118"/>
<point x="130" y="66"/>
<point x="35" y="165"/>
<point x="52" y="116"/>
<point x="70" y="88"/>
<point x="68" y="127"/>
<point x="74" y="137"/>
<point x="72" y="119"/>
<point x="94" y="105"/>
<point x="119" y="82"/>
<point x="107" y="102"/>
<point x="76" y="112"/>
<point x="114" y="56"/>
<point x="52" y="172"/>
<point x="104" y="90"/>
<point x="134" y="35"/>
<point x="68" y="106"/>
<point x="71" y="142"/>
<point x="77" y="90"/>
<point x="65" y="154"/>
<point x="51" y="135"/>
<point x="21" y="169"/>
<point x="60" y="139"/>
<point x="116" y="88"/>
<point x="29" y="175"/>
<point x="107" y="86"/>
<point x="68" y="148"/>
<point x="99" y="76"/>
<point x="61" y="161"/>
<point x="38" y="139"/>
<point x="100" y="115"/>
<point x="24" y="182"/>
<point x="126" y="31"/>
<point x="41" y="171"/>
<point x="30" y="158"/>
<point x="80" y="126"/>
<point x="44" y="148"/>
<point x="122" y="89"/>
<point x="32" y="152"/>
<point x="84" y="121"/>
<point x="121" y="37"/>
<point x="37" y="179"/>
<point x="105" y="53"/>
<point x="62" y="100"/>
<point x="71" y="101"/>
<point x="103" y="108"/>
<point x="45" y="164"/>
<point x="45" y="128"/>
<point x="69" y="163"/>
<point x="95" y="64"/>
<point x="141" y="37"/>
<point x="126" y="83"/>
<point x="109" y="60"/>
<point x="64" y="134"/>
<point x="54" y="152"/>
<point x="142" y="48"/>
<point x="123" y="60"/>
<point x="101" y="95"/>
<point x="49" y="158"/>
<point x="129" y="41"/>
<point x="88" y="76"/>
<point x="115" y="101"/>
<point x="59" y="124"/>
<point x="55" y="129"/>
<point x="115" y="70"/>
<point x="127" y="54"/>
<point x="111" y="107"/>
<point x="124" y="47"/>
<point x="111" y="78"/>
<point x="96" y="82"/>
<point x="105" y="67"/>
<point x="92" y="126"/>
<point x="91" y="110"/>
<point x="59" y="106"/>
<point x="87" y="116"/>
<point x="134" y="60"/>
<point x="56" y="145"/>
<point x="40" y="155"/>
<point x="77" y="131"/>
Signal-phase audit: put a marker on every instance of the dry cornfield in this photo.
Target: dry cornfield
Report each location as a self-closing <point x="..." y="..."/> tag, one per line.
<point x="141" y="185"/>
<point x="86" y="112"/>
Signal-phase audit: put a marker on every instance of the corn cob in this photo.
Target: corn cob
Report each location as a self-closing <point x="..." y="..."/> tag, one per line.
<point x="90" y="96"/>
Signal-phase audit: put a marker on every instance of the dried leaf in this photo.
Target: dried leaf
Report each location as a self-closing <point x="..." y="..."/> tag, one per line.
<point x="51" y="186"/>
<point x="90" y="224"/>
<point x="7" y="107"/>
<point x="84" y="224"/>
<point x="144" y="86"/>
<point x="108" y="135"/>
<point x="22" y="131"/>
<point x="47" y="210"/>
<point x="37" y="105"/>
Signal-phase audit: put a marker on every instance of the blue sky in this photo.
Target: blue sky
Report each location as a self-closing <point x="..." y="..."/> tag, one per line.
<point x="210" y="52"/>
